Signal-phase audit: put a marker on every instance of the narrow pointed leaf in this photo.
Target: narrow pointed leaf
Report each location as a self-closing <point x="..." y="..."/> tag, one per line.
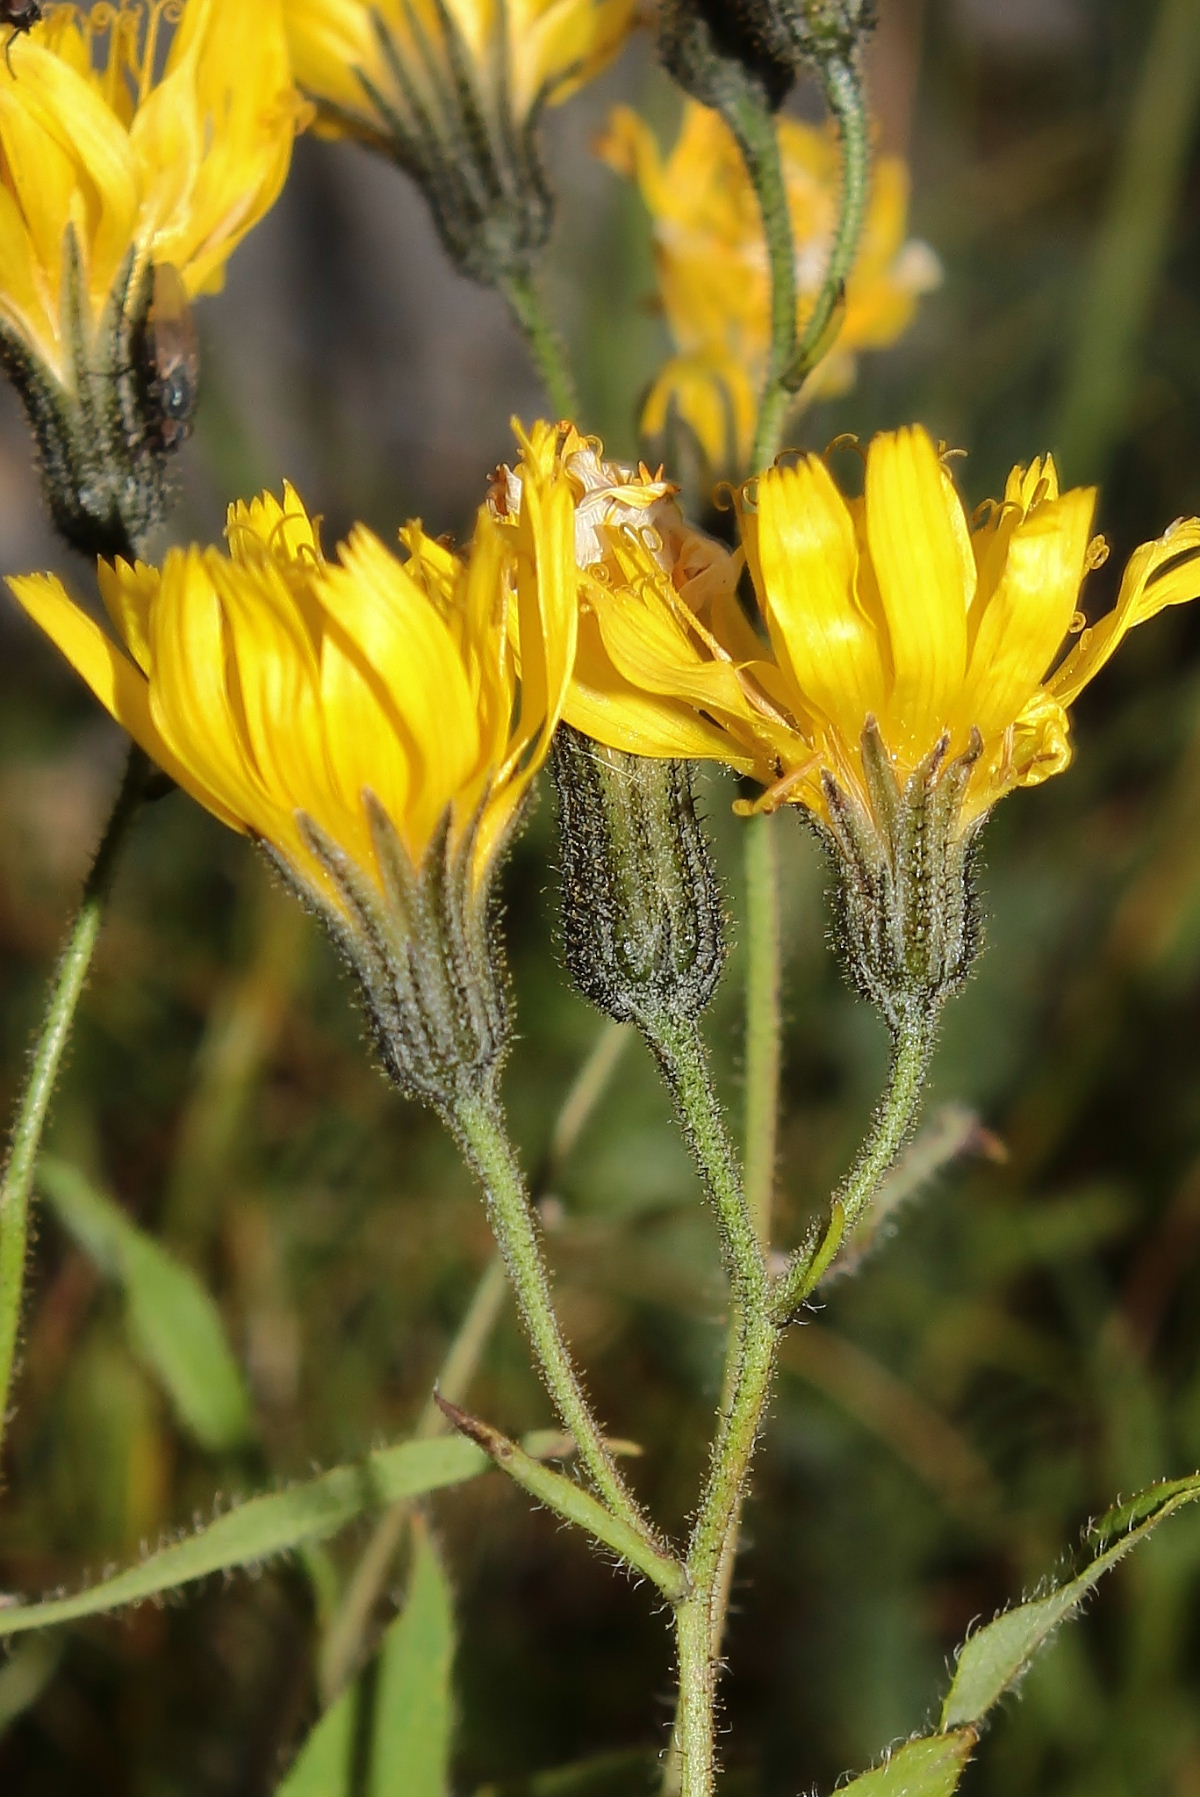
<point x="991" y="1661"/>
<point x="398" y="1713"/>
<point x="410" y="1736"/>
<point x="265" y="1526"/>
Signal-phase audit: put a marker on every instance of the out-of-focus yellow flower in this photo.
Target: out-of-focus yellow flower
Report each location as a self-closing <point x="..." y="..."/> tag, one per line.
<point x="301" y="700"/>
<point x="714" y="276"/>
<point x="119" y="149"/>
<point x="452" y="89"/>
<point x="894" y="614"/>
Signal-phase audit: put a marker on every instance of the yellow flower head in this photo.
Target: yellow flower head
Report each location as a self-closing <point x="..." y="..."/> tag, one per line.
<point x="714" y="277"/>
<point x="452" y="89"/>
<point x="133" y="134"/>
<point x="304" y="699"/>
<point x="897" y="614"/>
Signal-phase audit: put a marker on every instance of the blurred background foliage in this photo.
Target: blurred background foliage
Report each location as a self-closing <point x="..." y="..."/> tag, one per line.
<point x="1024" y="1347"/>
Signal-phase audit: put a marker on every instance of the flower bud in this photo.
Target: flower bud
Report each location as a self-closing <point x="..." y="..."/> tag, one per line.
<point x="720" y="57"/>
<point x="907" y="923"/>
<point x="796" y="32"/>
<point x="643" y="920"/>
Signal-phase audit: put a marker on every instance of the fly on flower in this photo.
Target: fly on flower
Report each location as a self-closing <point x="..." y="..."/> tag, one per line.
<point x="170" y="360"/>
<point x="21" y="15"/>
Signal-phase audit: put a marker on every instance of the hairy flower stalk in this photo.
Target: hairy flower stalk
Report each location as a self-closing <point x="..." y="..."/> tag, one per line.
<point x="138" y="146"/>
<point x="454" y="92"/>
<point x="714" y="274"/>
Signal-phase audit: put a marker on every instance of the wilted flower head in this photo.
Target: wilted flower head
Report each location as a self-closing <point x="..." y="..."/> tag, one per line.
<point x="714" y="276"/>
<point x="361" y="717"/>
<point x="130" y="136"/>
<point x="453" y="90"/>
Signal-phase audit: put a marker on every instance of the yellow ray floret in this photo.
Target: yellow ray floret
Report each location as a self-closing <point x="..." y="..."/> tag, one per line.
<point x="154" y="140"/>
<point x="368" y="63"/>
<point x="714" y="277"/>
<point x="282" y="689"/>
<point x="896" y="606"/>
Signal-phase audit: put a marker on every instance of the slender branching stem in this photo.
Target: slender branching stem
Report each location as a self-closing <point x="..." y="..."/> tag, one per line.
<point x="912" y="1046"/>
<point x="760" y="1314"/>
<point x="475" y="1121"/>
<point x="754" y="126"/>
<point x="544" y="343"/>
<point x="680" y="1052"/>
<point x="62" y="1001"/>
<point x="846" y="98"/>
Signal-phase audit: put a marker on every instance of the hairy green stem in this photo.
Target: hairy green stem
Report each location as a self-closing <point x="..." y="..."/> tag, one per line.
<point x="754" y="1342"/>
<point x="477" y="1126"/>
<point x="890" y="1127"/>
<point x="543" y="342"/>
<point x="763" y="1018"/>
<point x="754" y="126"/>
<point x="679" y="1050"/>
<point x="49" y="1048"/>
<point x="846" y="98"/>
<point x="700" y="1617"/>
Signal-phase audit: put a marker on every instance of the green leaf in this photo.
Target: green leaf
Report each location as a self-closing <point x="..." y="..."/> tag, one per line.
<point x="325" y="1765"/>
<point x="992" y="1660"/>
<point x="175" y="1327"/>
<point x="400" y="1705"/>
<point x="930" y="1767"/>
<point x="265" y="1526"/>
<point x="410" y="1739"/>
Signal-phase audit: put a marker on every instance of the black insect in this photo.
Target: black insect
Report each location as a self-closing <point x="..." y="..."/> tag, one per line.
<point x="170" y="360"/>
<point x="22" y="15"/>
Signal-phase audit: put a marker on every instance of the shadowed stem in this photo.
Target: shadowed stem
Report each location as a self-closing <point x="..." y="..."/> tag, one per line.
<point x="543" y="342"/>
<point x="49" y="1048"/>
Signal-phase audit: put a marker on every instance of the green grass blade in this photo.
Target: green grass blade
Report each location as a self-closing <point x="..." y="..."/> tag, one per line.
<point x="410" y="1742"/>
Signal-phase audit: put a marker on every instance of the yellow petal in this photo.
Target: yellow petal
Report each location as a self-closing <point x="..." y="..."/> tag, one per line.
<point x="1020" y="626"/>
<point x="924" y="569"/>
<point x="800" y="546"/>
